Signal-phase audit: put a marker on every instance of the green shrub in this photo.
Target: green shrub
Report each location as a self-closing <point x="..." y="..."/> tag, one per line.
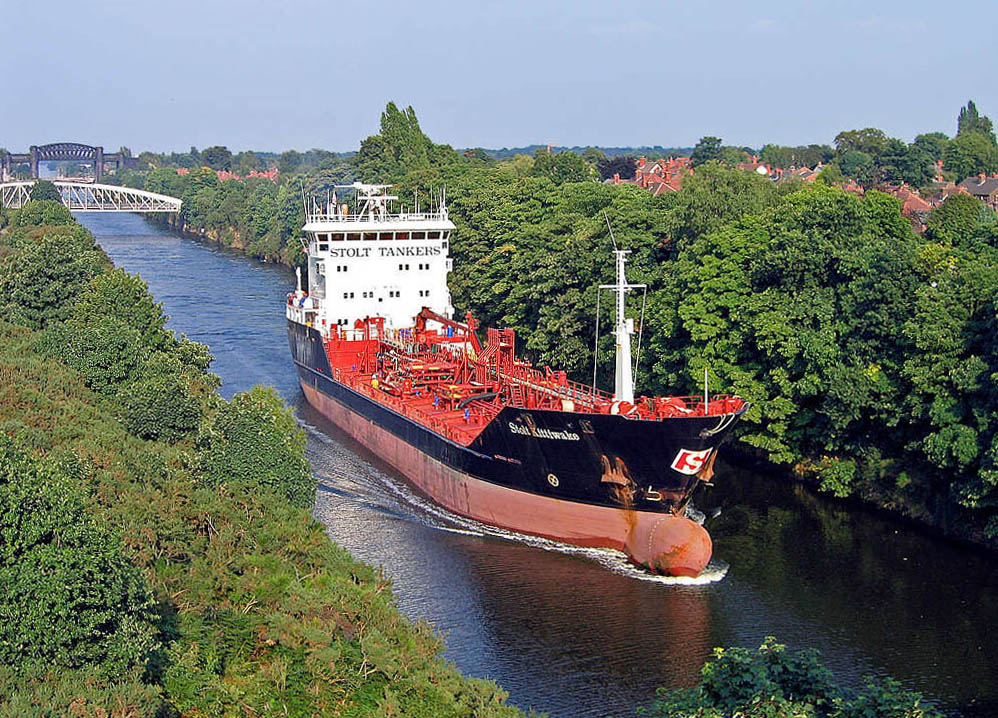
<point x="42" y="212"/>
<point x="68" y="596"/>
<point x="774" y="683"/>
<point x="105" y="352"/>
<point x="43" y="277"/>
<point x="45" y="191"/>
<point x="125" y="297"/>
<point x="255" y="439"/>
<point x="159" y="407"/>
<point x="48" y="693"/>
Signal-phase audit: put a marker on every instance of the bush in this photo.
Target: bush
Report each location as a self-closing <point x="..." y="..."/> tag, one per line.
<point x="45" y="191"/>
<point x="42" y="212"/>
<point x="774" y="683"/>
<point x="120" y="295"/>
<point x="68" y="596"/>
<point x="105" y="352"/>
<point x="255" y="439"/>
<point x="159" y="407"/>
<point x="42" y="278"/>
<point x="81" y="694"/>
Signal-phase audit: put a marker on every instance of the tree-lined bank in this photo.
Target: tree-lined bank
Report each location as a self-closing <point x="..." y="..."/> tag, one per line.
<point x="866" y="350"/>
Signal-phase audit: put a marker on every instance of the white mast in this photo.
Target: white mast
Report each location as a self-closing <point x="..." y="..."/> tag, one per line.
<point x="623" y="385"/>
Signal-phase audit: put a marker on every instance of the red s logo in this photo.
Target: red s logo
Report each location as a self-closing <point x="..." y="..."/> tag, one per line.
<point x="690" y="462"/>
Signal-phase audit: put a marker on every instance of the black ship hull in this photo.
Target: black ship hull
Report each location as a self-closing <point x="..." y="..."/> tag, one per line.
<point x="542" y="471"/>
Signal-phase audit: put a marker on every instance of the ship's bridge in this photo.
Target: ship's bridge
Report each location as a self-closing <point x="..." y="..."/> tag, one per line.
<point x="374" y="262"/>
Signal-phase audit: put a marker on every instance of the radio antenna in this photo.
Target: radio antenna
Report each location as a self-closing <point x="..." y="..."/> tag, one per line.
<point x="612" y="238"/>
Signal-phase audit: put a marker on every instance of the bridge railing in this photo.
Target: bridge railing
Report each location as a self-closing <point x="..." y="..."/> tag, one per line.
<point x="90" y="197"/>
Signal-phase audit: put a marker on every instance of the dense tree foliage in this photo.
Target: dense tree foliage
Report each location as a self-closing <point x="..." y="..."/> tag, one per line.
<point x="45" y="190"/>
<point x="773" y="682"/>
<point x="707" y="149"/>
<point x="400" y="147"/>
<point x="68" y="595"/>
<point x="802" y="156"/>
<point x="254" y="440"/>
<point x="561" y="167"/>
<point x="217" y="157"/>
<point x="970" y="120"/>
<point x="622" y="165"/>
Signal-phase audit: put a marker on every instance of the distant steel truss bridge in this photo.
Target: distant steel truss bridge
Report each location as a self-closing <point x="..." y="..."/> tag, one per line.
<point x="90" y="197"/>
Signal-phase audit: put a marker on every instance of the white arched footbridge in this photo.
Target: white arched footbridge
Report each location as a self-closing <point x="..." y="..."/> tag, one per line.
<point x="89" y="197"/>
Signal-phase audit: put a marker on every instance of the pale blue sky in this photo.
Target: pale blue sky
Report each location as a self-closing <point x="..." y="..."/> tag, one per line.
<point x="276" y="74"/>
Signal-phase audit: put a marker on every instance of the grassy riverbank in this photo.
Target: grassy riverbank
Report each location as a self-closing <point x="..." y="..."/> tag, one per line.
<point x="159" y="555"/>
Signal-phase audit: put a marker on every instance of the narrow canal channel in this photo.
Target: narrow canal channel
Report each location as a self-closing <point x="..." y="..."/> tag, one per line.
<point x="579" y="633"/>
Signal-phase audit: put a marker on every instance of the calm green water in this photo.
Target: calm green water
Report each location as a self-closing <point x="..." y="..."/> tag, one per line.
<point x="578" y="633"/>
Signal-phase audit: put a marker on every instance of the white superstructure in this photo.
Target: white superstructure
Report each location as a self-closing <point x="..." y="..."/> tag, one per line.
<point x="372" y="262"/>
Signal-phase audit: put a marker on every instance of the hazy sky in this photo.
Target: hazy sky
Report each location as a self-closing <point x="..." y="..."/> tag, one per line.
<point x="316" y="73"/>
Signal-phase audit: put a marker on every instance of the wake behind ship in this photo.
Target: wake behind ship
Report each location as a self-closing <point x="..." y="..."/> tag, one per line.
<point x="474" y="427"/>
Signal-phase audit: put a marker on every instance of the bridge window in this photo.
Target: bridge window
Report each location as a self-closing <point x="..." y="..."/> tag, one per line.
<point x="419" y="235"/>
<point x="444" y="244"/>
<point x="369" y="236"/>
<point x="323" y="247"/>
<point x="433" y="235"/>
<point x="337" y="237"/>
<point x="387" y="235"/>
<point x="353" y="236"/>
<point x="401" y="235"/>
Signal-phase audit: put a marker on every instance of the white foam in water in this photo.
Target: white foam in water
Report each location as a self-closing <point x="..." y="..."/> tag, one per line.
<point x="439" y="518"/>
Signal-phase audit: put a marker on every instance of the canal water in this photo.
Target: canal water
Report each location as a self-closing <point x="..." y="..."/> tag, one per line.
<point x="579" y="633"/>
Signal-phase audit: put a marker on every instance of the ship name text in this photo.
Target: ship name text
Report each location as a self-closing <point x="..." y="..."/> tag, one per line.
<point x="363" y="252"/>
<point x="543" y="433"/>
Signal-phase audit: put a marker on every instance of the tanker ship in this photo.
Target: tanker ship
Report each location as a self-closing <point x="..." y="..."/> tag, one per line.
<point x="473" y="426"/>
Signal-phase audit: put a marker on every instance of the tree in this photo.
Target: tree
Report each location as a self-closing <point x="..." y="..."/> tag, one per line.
<point x="957" y="220"/>
<point x="900" y="163"/>
<point x="476" y="155"/>
<point x="561" y="167"/>
<point x="400" y="147"/>
<point x="68" y="596"/>
<point x="45" y="190"/>
<point x="246" y="162"/>
<point x="869" y="140"/>
<point x="707" y="149"/>
<point x="711" y="197"/>
<point x="622" y="165"/>
<point x="42" y="278"/>
<point x="933" y="144"/>
<point x="217" y="157"/>
<point x="970" y="153"/>
<point x="254" y="439"/>
<point x="817" y="286"/>
<point x="593" y="155"/>
<point x="289" y="162"/>
<point x="860" y="166"/>
<point x="159" y="407"/>
<point x="969" y="120"/>
<point x="47" y="212"/>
